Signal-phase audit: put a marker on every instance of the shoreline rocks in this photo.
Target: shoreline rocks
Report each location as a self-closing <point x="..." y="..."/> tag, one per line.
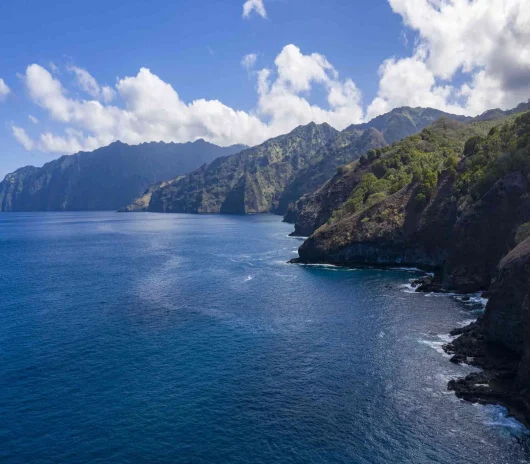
<point x="499" y="342"/>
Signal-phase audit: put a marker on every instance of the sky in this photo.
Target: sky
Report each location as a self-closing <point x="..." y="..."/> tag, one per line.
<point x="75" y="76"/>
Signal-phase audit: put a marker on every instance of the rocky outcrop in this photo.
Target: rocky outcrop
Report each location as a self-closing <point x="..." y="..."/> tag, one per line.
<point x="105" y="179"/>
<point x="141" y="204"/>
<point x="314" y="210"/>
<point x="499" y="342"/>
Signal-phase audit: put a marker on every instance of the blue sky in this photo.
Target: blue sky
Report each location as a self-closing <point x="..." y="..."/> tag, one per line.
<point x="343" y="61"/>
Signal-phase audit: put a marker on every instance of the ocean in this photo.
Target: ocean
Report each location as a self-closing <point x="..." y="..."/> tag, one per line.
<point x="144" y="338"/>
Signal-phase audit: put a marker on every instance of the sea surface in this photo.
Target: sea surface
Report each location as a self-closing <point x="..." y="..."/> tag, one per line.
<point x="143" y="338"/>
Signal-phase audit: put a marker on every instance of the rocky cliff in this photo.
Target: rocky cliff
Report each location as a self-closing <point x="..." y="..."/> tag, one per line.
<point x="455" y="199"/>
<point x="499" y="342"/>
<point x="105" y="179"/>
<point x="432" y="200"/>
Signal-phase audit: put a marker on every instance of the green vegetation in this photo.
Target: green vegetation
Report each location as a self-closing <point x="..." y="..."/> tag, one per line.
<point x="419" y="160"/>
<point x="474" y="155"/>
<point x="487" y="159"/>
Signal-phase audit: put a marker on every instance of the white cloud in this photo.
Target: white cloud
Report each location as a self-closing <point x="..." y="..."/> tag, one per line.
<point x="108" y="94"/>
<point x="4" y="90"/>
<point x="153" y="111"/>
<point x="249" y="61"/>
<point x="86" y="81"/>
<point x="33" y="119"/>
<point x="254" y="5"/>
<point x="282" y="101"/>
<point x="23" y="138"/>
<point x="486" y="42"/>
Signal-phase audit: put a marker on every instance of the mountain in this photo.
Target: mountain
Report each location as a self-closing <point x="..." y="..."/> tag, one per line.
<point x="315" y="209"/>
<point x="427" y="201"/>
<point x="353" y="142"/>
<point x="454" y="199"/>
<point x="405" y="121"/>
<point x="275" y="175"/>
<point x="105" y="179"/>
<point x="249" y="182"/>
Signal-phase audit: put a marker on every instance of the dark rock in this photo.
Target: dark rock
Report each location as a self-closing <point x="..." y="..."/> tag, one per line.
<point x="459" y="359"/>
<point x="499" y="342"/>
<point x="462" y="330"/>
<point x="428" y="284"/>
<point x="485" y="233"/>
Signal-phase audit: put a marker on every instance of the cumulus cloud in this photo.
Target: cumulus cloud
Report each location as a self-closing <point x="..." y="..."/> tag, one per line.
<point x="485" y="41"/>
<point x="22" y="137"/>
<point x="153" y="110"/>
<point x="282" y="95"/>
<point x="33" y="119"/>
<point x="249" y="61"/>
<point x="468" y="56"/>
<point x="251" y="6"/>
<point x="4" y="90"/>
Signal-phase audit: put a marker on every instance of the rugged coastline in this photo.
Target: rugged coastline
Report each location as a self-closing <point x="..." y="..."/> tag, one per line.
<point x="499" y="341"/>
<point x="467" y="220"/>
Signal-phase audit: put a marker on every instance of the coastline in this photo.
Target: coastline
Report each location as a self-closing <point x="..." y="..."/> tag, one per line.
<point x="494" y="384"/>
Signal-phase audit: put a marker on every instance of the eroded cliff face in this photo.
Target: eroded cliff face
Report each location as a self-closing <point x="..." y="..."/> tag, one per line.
<point x="499" y="342"/>
<point x="314" y="210"/>
<point x="507" y="311"/>
<point x="485" y="232"/>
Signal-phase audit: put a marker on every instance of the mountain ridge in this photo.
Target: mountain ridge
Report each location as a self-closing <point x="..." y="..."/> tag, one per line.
<point x="286" y="172"/>
<point x="105" y="179"/>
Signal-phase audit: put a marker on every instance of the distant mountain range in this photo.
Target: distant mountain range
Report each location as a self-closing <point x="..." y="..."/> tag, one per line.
<point x="105" y="179"/>
<point x="273" y="176"/>
<point x="201" y="177"/>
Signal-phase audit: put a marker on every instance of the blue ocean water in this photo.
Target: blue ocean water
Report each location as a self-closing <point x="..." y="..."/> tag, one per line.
<point x="140" y="338"/>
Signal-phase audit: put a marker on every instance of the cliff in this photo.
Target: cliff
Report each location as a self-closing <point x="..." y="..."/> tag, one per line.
<point x="454" y="199"/>
<point x="105" y="179"/>
<point x="500" y="342"/>
<point x="450" y="199"/>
